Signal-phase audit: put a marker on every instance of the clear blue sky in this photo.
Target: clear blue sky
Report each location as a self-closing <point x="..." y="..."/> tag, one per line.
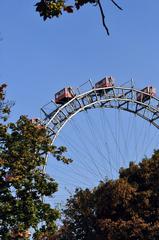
<point x="39" y="58"/>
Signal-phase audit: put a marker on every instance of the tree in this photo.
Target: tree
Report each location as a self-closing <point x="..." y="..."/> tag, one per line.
<point x="23" y="183"/>
<point x="126" y="208"/>
<point x="55" y="8"/>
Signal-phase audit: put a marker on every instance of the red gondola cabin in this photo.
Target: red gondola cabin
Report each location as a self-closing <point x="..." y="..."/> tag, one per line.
<point x="141" y="97"/>
<point x="105" y="82"/>
<point x="64" y="95"/>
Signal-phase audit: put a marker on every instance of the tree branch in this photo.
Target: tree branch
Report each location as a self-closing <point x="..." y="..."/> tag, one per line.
<point x="116" y="4"/>
<point x="103" y="17"/>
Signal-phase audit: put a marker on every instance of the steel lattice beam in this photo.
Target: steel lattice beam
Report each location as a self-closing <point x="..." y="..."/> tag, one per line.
<point x="56" y="119"/>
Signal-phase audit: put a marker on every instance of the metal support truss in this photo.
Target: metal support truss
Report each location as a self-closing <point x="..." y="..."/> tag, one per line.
<point x="123" y="98"/>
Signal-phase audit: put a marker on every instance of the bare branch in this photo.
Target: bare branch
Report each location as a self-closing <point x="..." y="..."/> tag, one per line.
<point x="103" y="17"/>
<point x="116" y="4"/>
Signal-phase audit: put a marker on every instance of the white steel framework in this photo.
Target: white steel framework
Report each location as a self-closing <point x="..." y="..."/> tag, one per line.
<point x="124" y="98"/>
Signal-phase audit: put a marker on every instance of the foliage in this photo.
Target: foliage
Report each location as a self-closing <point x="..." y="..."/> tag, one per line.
<point x="4" y="105"/>
<point x="126" y="208"/>
<point x="55" y="8"/>
<point x="23" y="183"/>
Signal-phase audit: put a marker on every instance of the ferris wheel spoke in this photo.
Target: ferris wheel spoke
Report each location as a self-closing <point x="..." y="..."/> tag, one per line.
<point x="115" y="140"/>
<point x="87" y="150"/>
<point x="76" y="148"/>
<point x="103" y="140"/>
<point x="73" y="148"/>
<point x="96" y="139"/>
<point x="72" y="180"/>
<point x="123" y="134"/>
<point x="59" y="171"/>
<point x="150" y="140"/>
<point x="107" y="144"/>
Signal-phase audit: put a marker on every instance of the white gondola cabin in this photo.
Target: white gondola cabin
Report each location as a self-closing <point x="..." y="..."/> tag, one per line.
<point x="64" y="95"/>
<point x="149" y="92"/>
<point x="105" y="82"/>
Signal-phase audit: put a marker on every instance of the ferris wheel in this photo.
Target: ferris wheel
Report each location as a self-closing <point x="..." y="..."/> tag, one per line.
<point x="104" y="128"/>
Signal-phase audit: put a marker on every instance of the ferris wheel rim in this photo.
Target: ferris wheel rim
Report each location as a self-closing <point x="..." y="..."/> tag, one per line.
<point x="125" y="95"/>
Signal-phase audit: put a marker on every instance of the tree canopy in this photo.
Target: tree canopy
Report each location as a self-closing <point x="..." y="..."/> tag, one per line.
<point x="126" y="208"/>
<point x="54" y="8"/>
<point x="23" y="182"/>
